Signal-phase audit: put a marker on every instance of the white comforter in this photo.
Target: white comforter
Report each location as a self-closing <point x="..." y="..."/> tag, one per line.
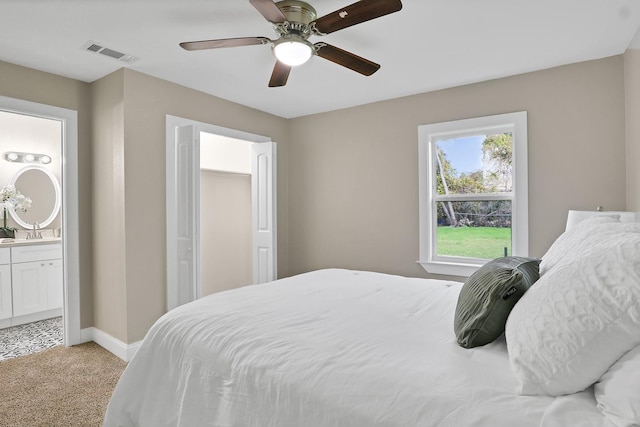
<point x="323" y="349"/>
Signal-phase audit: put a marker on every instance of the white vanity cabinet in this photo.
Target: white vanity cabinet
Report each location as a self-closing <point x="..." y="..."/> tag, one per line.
<point x="31" y="283"/>
<point x="36" y="273"/>
<point x="6" y="310"/>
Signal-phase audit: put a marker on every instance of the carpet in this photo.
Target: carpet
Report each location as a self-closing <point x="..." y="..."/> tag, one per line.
<point x="61" y="386"/>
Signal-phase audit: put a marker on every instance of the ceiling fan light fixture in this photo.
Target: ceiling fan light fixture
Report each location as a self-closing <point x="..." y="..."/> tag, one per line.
<point x="294" y="21"/>
<point x="293" y="51"/>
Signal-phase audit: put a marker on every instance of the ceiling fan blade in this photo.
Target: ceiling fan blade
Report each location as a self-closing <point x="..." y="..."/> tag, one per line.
<point x="361" y="11"/>
<point x="269" y="10"/>
<point x="280" y="74"/>
<point x="346" y="59"/>
<point x="215" y="44"/>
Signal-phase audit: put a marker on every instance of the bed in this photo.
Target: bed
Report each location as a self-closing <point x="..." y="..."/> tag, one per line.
<point x="352" y="348"/>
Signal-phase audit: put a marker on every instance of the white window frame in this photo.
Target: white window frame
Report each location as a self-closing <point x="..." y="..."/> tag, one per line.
<point x="428" y="135"/>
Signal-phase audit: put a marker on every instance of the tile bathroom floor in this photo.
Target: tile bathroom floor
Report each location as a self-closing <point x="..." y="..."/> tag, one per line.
<point x="30" y="338"/>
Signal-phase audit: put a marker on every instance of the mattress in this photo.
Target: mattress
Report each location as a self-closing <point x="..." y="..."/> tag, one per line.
<point x="328" y="348"/>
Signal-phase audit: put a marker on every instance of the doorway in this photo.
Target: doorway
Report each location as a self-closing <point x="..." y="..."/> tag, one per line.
<point x="64" y="226"/>
<point x="184" y="251"/>
<point x="225" y="213"/>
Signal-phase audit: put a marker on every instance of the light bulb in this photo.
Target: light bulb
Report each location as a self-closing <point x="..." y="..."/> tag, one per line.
<point x="29" y="157"/>
<point x="293" y="52"/>
<point x="12" y="156"/>
<point x="45" y="159"/>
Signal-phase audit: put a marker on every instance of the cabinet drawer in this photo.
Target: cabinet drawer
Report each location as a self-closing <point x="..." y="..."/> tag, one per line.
<point x="36" y="252"/>
<point x="5" y="255"/>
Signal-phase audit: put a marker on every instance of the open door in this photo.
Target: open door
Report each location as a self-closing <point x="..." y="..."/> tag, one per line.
<point x="183" y="167"/>
<point x="263" y="187"/>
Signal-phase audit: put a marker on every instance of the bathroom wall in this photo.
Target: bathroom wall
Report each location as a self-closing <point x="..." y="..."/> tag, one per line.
<point x="27" y="134"/>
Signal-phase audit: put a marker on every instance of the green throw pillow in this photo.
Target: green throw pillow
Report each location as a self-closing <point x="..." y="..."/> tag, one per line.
<point x="487" y="297"/>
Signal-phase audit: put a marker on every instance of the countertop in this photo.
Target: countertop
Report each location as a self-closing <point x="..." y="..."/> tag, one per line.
<point x="7" y="243"/>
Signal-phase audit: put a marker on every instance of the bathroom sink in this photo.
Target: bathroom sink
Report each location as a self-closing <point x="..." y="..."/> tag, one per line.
<point x="42" y="234"/>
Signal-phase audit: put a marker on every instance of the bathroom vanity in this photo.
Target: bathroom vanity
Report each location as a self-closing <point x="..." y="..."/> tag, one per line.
<point x="31" y="281"/>
<point x="31" y="276"/>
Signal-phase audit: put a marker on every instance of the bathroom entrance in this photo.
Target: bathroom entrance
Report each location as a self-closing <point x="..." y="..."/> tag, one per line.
<point x="67" y="148"/>
<point x="31" y="272"/>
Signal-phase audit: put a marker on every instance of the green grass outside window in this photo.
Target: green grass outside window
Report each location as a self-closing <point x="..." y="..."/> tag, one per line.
<point x="474" y="242"/>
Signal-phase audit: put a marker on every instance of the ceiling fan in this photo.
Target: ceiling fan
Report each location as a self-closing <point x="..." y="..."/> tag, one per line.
<point x="294" y="22"/>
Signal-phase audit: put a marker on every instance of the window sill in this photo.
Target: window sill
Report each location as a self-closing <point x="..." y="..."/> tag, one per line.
<point x="449" y="268"/>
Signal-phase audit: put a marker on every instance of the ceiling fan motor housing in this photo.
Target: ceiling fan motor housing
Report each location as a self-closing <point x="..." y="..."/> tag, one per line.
<point x="297" y="11"/>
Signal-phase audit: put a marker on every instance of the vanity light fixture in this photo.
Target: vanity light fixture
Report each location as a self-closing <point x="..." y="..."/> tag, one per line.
<point x="17" y="157"/>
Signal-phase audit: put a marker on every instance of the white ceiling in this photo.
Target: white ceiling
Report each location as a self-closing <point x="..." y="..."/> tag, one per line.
<point x="428" y="45"/>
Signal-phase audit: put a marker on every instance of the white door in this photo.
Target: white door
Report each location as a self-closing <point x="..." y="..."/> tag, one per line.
<point x="263" y="187"/>
<point x="183" y="167"/>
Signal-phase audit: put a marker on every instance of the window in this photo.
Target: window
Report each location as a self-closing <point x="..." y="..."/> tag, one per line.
<point x="473" y="192"/>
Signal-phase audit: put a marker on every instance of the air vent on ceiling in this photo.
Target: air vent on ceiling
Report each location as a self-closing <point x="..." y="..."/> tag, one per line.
<point x="98" y="48"/>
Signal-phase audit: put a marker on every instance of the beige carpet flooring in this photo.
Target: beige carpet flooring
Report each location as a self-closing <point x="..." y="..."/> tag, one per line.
<point x="61" y="386"/>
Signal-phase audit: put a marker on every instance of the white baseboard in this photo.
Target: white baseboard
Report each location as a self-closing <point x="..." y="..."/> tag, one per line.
<point x="106" y="341"/>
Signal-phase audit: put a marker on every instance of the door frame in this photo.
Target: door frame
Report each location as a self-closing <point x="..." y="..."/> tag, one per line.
<point x="70" y="200"/>
<point x="172" y="122"/>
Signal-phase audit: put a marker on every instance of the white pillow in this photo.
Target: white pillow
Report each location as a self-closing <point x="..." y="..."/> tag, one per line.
<point x="618" y="391"/>
<point x="570" y="242"/>
<point x="580" y="317"/>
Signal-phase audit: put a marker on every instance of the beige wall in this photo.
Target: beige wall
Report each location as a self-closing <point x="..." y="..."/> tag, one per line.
<point x="353" y="173"/>
<point x="225" y="231"/>
<point x="36" y="86"/>
<point x="632" y="92"/>
<point x="140" y="254"/>
<point x="109" y="232"/>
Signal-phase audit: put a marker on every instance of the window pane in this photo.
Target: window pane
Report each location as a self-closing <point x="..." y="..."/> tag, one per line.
<point x="474" y="229"/>
<point x="474" y="164"/>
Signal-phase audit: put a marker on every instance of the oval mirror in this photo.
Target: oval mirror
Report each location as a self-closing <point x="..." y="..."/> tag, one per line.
<point x="42" y="187"/>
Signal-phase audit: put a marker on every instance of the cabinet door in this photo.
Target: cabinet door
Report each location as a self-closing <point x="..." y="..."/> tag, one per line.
<point x="29" y="287"/>
<point x="6" y="310"/>
<point x="54" y="283"/>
